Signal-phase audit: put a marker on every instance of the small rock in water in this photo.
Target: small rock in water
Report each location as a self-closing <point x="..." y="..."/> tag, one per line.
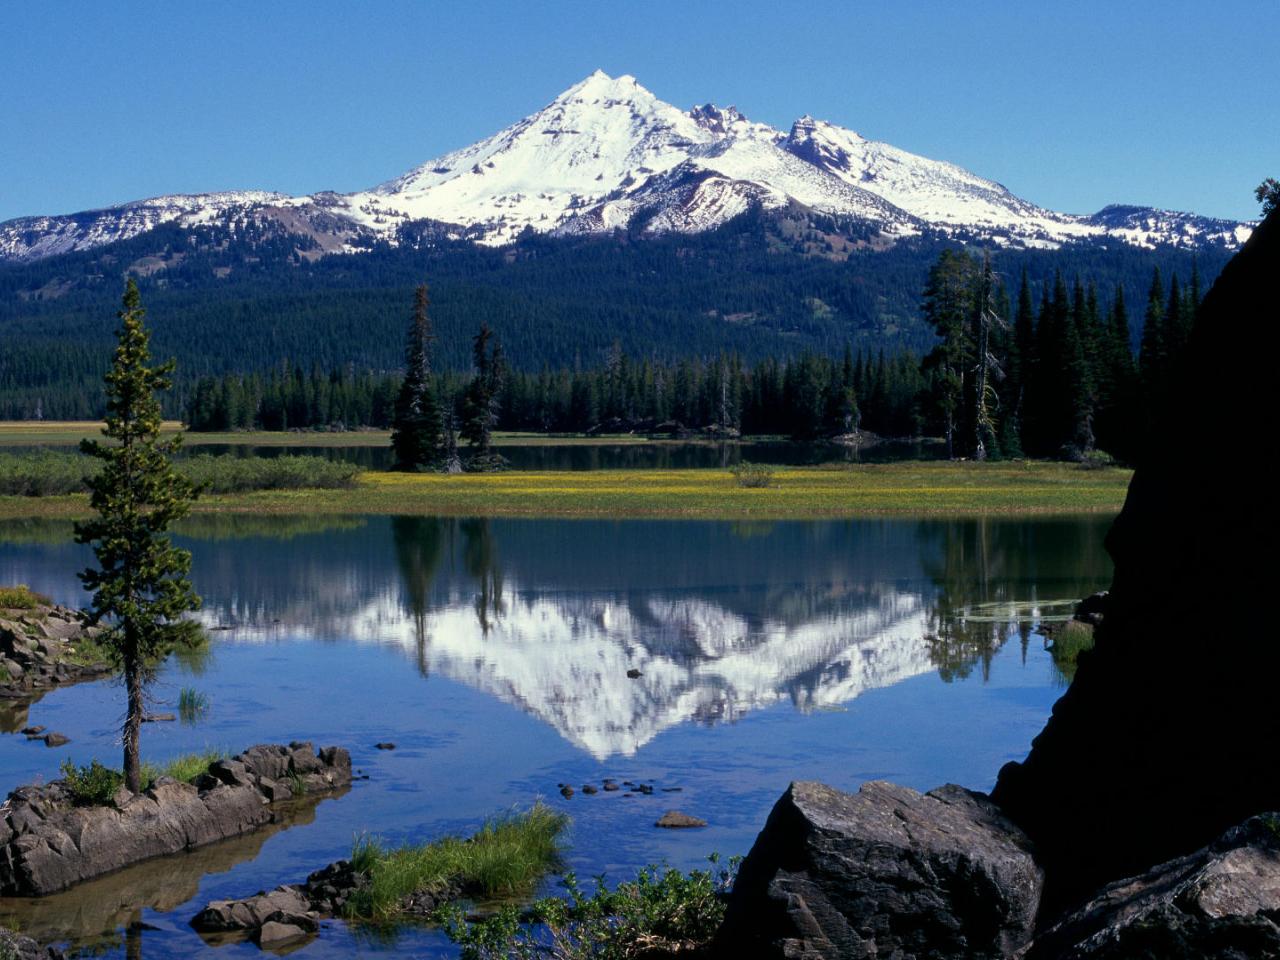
<point x="675" y="820"/>
<point x="672" y="789"/>
<point x="274" y="934"/>
<point x="33" y="731"/>
<point x="644" y="788"/>
<point x="589" y="788"/>
<point x="634" y="674"/>
<point x="385" y="745"/>
<point x="159" y="718"/>
<point x="55" y="739"/>
<point x="610" y="787"/>
<point x="566" y="791"/>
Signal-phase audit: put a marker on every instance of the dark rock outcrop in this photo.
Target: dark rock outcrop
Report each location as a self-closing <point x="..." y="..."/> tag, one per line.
<point x="1222" y="901"/>
<point x="39" y="650"/>
<point x="19" y="947"/>
<point x="1162" y="741"/>
<point x="47" y="843"/>
<point x="291" y="912"/>
<point x="886" y="872"/>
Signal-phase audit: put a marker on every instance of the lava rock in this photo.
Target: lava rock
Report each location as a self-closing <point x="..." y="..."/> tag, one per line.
<point x="53" y="844"/>
<point x="55" y="739"/>
<point x="566" y="791"/>
<point x="886" y="872"/>
<point x="385" y="745"/>
<point x="1221" y="901"/>
<point x="589" y="789"/>
<point x="634" y="674"/>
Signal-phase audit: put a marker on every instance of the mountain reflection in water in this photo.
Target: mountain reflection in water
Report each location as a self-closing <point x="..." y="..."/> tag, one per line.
<point x="718" y="618"/>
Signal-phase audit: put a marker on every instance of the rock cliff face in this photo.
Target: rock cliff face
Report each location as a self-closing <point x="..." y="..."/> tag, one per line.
<point x="1164" y="739"/>
<point x="47" y="843"/>
<point x="1162" y="745"/>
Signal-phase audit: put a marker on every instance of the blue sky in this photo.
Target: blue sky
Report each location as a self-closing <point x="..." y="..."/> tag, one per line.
<point x="1071" y="105"/>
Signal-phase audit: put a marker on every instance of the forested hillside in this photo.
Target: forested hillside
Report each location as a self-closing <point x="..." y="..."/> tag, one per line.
<point x="766" y="285"/>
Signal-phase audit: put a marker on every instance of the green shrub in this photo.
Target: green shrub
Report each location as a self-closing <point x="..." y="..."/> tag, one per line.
<point x="1096" y="460"/>
<point x="506" y="858"/>
<point x="227" y="474"/>
<point x="21" y="597"/>
<point x="49" y="473"/>
<point x="91" y="785"/>
<point x="661" y="913"/>
<point x="1070" y="640"/>
<point x="44" y="473"/>
<point x="752" y="474"/>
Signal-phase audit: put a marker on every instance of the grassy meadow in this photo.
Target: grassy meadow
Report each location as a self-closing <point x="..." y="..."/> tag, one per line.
<point x="909" y="488"/>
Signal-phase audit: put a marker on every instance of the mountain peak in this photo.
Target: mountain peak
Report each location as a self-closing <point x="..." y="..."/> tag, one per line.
<point x="600" y="86"/>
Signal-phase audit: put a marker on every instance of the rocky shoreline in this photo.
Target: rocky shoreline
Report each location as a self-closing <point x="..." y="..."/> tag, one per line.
<point x="291" y="913"/>
<point x="41" y="649"/>
<point x="48" y="843"/>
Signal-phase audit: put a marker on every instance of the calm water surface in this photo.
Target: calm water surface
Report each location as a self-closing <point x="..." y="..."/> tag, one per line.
<point x="495" y="653"/>
<point x="625" y="456"/>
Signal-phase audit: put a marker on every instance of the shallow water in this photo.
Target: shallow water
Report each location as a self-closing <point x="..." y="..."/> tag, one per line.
<point x="494" y="654"/>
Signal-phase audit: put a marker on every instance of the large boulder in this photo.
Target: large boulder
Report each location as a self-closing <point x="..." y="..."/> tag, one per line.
<point x="1222" y="901"/>
<point x="1164" y="739"/>
<point x="886" y="872"/>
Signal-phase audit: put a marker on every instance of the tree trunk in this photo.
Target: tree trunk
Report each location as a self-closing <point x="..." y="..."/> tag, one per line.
<point x="133" y="716"/>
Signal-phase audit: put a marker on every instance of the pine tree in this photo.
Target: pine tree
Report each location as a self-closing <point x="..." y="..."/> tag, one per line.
<point x="948" y="303"/>
<point x="142" y="587"/>
<point x="415" y="434"/>
<point x="1152" y="355"/>
<point x="480" y="404"/>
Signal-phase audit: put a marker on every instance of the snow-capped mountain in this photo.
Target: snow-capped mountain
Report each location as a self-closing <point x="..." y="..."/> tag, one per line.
<point x="607" y="154"/>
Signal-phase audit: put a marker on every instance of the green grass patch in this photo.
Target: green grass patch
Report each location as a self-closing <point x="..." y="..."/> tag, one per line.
<point x="21" y="597"/>
<point x="95" y="784"/>
<point x="506" y="858"/>
<point x="662" y="913"/>
<point x="847" y="490"/>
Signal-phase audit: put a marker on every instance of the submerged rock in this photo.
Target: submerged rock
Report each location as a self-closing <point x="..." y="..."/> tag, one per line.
<point x="48" y="843"/>
<point x="676" y="820"/>
<point x="886" y="872"/>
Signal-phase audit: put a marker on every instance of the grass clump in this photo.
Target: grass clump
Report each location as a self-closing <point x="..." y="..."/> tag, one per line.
<point x="505" y="858"/>
<point x="184" y="768"/>
<point x="661" y="913"/>
<point x="1069" y="641"/>
<point x="21" y="597"/>
<point x="192" y="705"/>
<point x="752" y="475"/>
<point x="43" y="474"/>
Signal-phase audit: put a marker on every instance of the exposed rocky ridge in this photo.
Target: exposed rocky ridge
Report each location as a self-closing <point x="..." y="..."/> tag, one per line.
<point x="47" y="843"/>
<point x="38" y="650"/>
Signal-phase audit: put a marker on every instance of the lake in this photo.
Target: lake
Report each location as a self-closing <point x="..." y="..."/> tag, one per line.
<point x="606" y="455"/>
<point x="494" y="654"/>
